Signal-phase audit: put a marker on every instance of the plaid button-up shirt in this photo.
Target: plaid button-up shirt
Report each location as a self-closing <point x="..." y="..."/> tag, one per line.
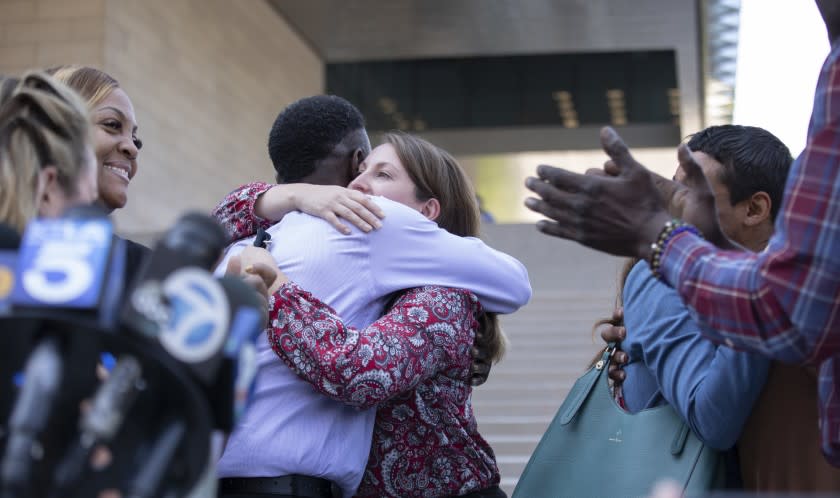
<point x="785" y="301"/>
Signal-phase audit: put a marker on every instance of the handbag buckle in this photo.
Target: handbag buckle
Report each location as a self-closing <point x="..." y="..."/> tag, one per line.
<point x="608" y="352"/>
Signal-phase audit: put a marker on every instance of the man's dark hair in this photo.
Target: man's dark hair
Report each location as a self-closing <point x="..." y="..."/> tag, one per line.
<point x="307" y="131"/>
<point x="753" y="159"/>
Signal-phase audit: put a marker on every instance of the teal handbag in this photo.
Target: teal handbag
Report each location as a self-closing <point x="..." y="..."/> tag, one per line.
<point x="595" y="449"/>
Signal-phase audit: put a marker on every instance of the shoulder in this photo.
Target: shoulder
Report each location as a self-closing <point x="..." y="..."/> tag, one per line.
<point x="460" y="301"/>
<point x="397" y="214"/>
<point x="650" y="306"/>
<point x="641" y="285"/>
<point x="135" y="253"/>
<point x="135" y="249"/>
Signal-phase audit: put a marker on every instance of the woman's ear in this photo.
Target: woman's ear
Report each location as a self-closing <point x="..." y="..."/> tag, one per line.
<point x="431" y="209"/>
<point x="50" y="196"/>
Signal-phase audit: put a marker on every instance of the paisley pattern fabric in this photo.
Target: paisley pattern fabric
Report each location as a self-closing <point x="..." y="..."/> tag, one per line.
<point x="236" y="211"/>
<point x="413" y="365"/>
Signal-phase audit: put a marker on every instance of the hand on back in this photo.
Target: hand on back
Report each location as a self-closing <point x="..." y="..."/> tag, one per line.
<point x="337" y="205"/>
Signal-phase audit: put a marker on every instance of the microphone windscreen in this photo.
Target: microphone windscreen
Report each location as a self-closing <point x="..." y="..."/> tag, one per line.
<point x="198" y="237"/>
<point x="9" y="237"/>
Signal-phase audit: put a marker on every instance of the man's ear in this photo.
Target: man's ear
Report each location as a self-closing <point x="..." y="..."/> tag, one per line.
<point x="356" y="160"/>
<point x="758" y="208"/>
<point x="431" y="209"/>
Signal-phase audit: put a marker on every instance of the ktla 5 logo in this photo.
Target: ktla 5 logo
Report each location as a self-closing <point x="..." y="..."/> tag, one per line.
<point x="62" y="262"/>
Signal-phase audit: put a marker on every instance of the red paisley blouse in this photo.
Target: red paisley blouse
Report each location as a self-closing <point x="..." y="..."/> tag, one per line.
<point x="413" y="365"/>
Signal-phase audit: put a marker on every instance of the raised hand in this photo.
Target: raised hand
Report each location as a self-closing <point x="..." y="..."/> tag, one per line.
<point x="619" y="211"/>
<point x="692" y="199"/>
<point x="481" y="364"/>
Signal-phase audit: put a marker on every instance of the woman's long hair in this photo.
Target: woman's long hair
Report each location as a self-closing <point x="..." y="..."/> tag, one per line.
<point x="619" y="303"/>
<point x="436" y="174"/>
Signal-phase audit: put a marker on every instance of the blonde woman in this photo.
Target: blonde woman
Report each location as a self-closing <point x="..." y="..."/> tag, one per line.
<point x="46" y="159"/>
<point x="115" y="130"/>
<point x="115" y="143"/>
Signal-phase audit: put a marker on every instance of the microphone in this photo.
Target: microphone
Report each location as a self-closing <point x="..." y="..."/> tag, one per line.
<point x="66" y="279"/>
<point x="102" y="421"/>
<point x="71" y="268"/>
<point x="30" y="415"/>
<point x="152" y="473"/>
<point x="9" y="343"/>
<point x="230" y="392"/>
<point x="185" y="342"/>
<point x="196" y="241"/>
<point x="207" y="324"/>
<point x="9" y="238"/>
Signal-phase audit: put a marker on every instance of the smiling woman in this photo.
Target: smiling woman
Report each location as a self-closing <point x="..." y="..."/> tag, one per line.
<point x="115" y="131"/>
<point x="115" y="143"/>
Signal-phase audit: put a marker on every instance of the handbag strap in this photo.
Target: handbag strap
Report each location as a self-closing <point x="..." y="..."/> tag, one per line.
<point x="680" y="438"/>
<point x="580" y="391"/>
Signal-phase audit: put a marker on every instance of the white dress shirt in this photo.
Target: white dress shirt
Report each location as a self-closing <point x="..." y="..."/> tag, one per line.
<point x="290" y="428"/>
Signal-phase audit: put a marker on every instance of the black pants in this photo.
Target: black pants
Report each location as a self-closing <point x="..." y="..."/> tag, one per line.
<point x="292" y="486"/>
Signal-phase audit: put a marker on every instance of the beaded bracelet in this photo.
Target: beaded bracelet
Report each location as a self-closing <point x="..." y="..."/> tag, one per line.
<point x="671" y="229"/>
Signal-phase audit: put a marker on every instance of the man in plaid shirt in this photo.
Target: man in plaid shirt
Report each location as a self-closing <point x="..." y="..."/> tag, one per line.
<point x="783" y="302"/>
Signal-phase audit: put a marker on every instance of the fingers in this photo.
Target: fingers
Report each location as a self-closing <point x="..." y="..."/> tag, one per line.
<point x="264" y="272"/>
<point x="554" y="203"/>
<point x="357" y="209"/>
<point x="360" y="215"/>
<point x="549" y="193"/>
<point x="618" y="151"/>
<point x="371" y="211"/>
<point x="614" y="333"/>
<point x="595" y="172"/>
<point x="694" y="176"/>
<point x="616" y="374"/>
<point x="618" y="315"/>
<point x="669" y="192"/>
<point x="554" y="210"/>
<point x="479" y="354"/>
<point x="558" y="177"/>
<point x="620" y="358"/>
<point x="480" y="366"/>
<point x="256" y="283"/>
<point x="611" y="168"/>
<point x="479" y="372"/>
<point x="331" y="218"/>
<point x="558" y="229"/>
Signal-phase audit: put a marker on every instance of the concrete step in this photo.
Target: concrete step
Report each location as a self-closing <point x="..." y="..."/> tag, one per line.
<point x="551" y="341"/>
